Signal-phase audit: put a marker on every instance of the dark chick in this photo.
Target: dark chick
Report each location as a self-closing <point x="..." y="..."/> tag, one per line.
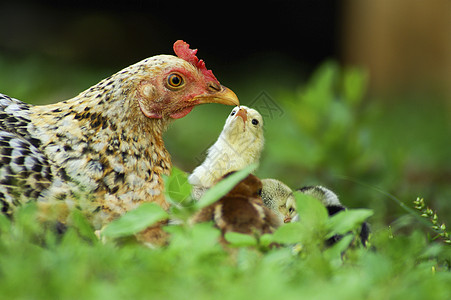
<point x="333" y="206"/>
<point x="241" y="210"/>
<point x="280" y="199"/>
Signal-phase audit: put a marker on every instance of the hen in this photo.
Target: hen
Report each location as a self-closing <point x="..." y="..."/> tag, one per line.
<point x="102" y="151"/>
<point x="239" y="145"/>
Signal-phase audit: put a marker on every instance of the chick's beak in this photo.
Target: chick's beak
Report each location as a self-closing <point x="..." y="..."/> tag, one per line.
<point x="242" y="113"/>
<point x="287" y="219"/>
<point x="220" y="95"/>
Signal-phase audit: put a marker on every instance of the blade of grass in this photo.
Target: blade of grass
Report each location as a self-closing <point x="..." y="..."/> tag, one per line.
<point x="135" y="220"/>
<point x="411" y="211"/>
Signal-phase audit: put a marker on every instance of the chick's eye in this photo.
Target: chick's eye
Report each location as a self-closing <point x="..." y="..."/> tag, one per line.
<point x="175" y="80"/>
<point x="233" y="113"/>
<point x="291" y="209"/>
<point x="255" y="121"/>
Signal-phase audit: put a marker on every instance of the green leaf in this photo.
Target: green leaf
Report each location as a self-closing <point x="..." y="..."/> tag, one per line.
<point x="347" y="220"/>
<point x="84" y="227"/>
<point x="176" y="186"/>
<point x="266" y="239"/>
<point x="311" y="211"/>
<point x="240" y="239"/>
<point x="26" y="218"/>
<point x="335" y="252"/>
<point x="223" y="187"/>
<point x="319" y="91"/>
<point x="290" y="233"/>
<point x="354" y="85"/>
<point x="204" y="234"/>
<point x="5" y="223"/>
<point x="135" y="221"/>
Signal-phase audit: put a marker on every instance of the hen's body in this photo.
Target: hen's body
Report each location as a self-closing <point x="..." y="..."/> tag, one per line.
<point x="74" y="154"/>
<point x="101" y="151"/>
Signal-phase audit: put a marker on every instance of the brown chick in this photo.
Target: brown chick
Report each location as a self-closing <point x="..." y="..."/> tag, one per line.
<point x="241" y="210"/>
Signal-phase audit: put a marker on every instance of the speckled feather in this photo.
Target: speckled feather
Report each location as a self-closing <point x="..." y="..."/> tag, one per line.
<point x="97" y="151"/>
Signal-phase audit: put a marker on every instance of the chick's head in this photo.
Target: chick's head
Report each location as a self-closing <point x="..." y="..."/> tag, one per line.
<point x="279" y="198"/>
<point x="243" y="133"/>
<point x="244" y="120"/>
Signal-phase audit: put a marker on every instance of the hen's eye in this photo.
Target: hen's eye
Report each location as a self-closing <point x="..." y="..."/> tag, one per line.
<point x="255" y="121"/>
<point x="175" y="80"/>
<point x="233" y="113"/>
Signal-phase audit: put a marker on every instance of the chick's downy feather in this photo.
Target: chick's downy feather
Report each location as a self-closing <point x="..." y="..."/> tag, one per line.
<point x="333" y="206"/>
<point x="239" y="145"/>
<point x="102" y="151"/>
<point x="279" y="198"/>
<point x="241" y="210"/>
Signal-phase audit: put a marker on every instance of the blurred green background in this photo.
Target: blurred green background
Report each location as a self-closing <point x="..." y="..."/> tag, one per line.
<point x="355" y="95"/>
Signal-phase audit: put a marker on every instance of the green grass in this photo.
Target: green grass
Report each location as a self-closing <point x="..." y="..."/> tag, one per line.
<point x="37" y="264"/>
<point x="377" y="154"/>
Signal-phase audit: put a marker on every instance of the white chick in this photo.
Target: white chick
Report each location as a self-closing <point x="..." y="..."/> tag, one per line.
<point x="239" y="145"/>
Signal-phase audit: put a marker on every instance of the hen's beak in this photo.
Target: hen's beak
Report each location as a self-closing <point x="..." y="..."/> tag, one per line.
<point x="222" y="96"/>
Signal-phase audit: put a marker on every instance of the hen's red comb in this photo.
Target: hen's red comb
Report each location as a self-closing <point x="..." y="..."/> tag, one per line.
<point x="183" y="51"/>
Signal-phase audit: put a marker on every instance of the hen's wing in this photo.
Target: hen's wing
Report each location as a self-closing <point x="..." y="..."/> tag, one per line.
<point x="14" y="116"/>
<point x="24" y="170"/>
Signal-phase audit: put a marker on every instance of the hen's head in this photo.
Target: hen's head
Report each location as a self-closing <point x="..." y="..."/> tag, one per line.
<point x="167" y="86"/>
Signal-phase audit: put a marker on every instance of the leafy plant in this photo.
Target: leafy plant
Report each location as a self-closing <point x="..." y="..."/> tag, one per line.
<point x="135" y="221"/>
<point x="429" y="214"/>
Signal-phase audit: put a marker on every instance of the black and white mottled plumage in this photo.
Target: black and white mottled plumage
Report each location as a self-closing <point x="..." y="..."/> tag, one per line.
<point x="280" y="199"/>
<point x="333" y="206"/>
<point x="102" y="151"/>
<point x="25" y="171"/>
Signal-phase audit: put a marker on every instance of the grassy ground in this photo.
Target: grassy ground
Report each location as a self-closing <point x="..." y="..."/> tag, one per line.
<point x="378" y="154"/>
